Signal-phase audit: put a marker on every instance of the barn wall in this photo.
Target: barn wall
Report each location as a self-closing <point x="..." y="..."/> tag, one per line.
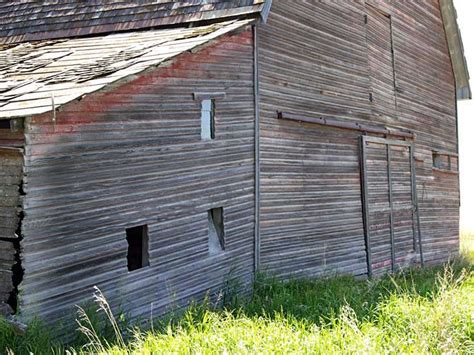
<point x="11" y="176"/>
<point x="11" y="133"/>
<point x="321" y="59"/>
<point x="133" y="156"/>
<point x="427" y="106"/>
<point x="11" y="179"/>
<point x="312" y="61"/>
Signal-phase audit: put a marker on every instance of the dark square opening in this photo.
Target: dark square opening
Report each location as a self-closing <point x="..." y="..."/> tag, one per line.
<point x="5" y="124"/>
<point x="137" y="256"/>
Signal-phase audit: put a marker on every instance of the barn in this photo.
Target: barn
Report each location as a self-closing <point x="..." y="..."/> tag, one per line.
<point x="159" y="149"/>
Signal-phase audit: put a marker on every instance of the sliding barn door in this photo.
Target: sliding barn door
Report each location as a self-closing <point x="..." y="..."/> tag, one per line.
<point x="391" y="217"/>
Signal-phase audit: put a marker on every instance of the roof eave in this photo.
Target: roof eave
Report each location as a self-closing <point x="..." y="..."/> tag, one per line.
<point x="456" y="50"/>
<point x="265" y="12"/>
<point x="464" y="93"/>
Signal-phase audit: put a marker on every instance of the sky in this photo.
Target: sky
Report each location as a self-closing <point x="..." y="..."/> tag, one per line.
<point x="465" y="9"/>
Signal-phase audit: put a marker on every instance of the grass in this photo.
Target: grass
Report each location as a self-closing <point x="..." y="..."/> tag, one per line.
<point x="467" y="244"/>
<point x="419" y="311"/>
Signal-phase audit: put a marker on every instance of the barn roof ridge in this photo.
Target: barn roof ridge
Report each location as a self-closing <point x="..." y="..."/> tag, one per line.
<point x="30" y="20"/>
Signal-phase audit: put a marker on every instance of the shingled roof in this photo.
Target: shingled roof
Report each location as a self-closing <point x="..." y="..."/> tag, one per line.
<point x="31" y="20"/>
<point x="48" y="48"/>
<point x="37" y="76"/>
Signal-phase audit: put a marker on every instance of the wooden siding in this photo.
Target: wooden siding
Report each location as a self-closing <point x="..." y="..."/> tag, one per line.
<point x="11" y="176"/>
<point x="381" y="63"/>
<point x="12" y="138"/>
<point x="130" y="156"/>
<point x="313" y="61"/>
<point x="426" y="105"/>
<point x="322" y="59"/>
<point x="391" y="220"/>
<point x="7" y="260"/>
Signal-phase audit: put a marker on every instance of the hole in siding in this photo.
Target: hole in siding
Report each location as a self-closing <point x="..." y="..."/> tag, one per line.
<point x="17" y="277"/>
<point x="15" y="125"/>
<point x="17" y="268"/>
<point x="208" y="124"/>
<point x="4" y="124"/>
<point x="445" y="161"/>
<point x="437" y="160"/>
<point x="137" y="256"/>
<point x="216" y="231"/>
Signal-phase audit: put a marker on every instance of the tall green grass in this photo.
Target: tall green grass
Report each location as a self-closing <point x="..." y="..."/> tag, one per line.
<point x="467" y="245"/>
<point x="419" y="311"/>
<point x="402" y="314"/>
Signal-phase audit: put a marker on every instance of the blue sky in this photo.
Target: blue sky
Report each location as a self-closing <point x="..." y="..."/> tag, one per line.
<point x="465" y="9"/>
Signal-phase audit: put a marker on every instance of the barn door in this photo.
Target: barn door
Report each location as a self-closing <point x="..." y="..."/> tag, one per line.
<point x="392" y="228"/>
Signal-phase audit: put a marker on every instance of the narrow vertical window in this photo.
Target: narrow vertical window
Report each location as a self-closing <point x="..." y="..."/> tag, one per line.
<point x="216" y="231"/>
<point x="137" y="256"/>
<point x="208" y="124"/>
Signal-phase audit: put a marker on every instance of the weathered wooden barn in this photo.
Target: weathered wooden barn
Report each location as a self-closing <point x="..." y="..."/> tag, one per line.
<point x="156" y="148"/>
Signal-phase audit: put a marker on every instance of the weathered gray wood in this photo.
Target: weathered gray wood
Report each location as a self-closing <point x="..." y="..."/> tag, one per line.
<point x="133" y="156"/>
<point x="7" y="260"/>
<point x="322" y="60"/>
<point x="11" y="170"/>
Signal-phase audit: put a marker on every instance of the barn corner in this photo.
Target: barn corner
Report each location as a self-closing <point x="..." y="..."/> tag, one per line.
<point x="11" y="213"/>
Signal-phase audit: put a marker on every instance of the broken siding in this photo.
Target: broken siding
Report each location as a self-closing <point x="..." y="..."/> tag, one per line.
<point x="12" y="135"/>
<point x="7" y="260"/>
<point x="11" y="176"/>
<point x="131" y="156"/>
<point x="315" y="60"/>
<point x="32" y="21"/>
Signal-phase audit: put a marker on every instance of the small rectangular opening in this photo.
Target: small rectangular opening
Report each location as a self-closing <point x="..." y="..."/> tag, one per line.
<point x="5" y="124"/>
<point x="445" y="161"/>
<point x="216" y="231"/>
<point x="137" y="256"/>
<point x="14" y="124"/>
<point x="437" y="160"/>
<point x="208" y="124"/>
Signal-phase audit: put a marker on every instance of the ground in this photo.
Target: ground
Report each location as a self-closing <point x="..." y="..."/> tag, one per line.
<point x="419" y="311"/>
